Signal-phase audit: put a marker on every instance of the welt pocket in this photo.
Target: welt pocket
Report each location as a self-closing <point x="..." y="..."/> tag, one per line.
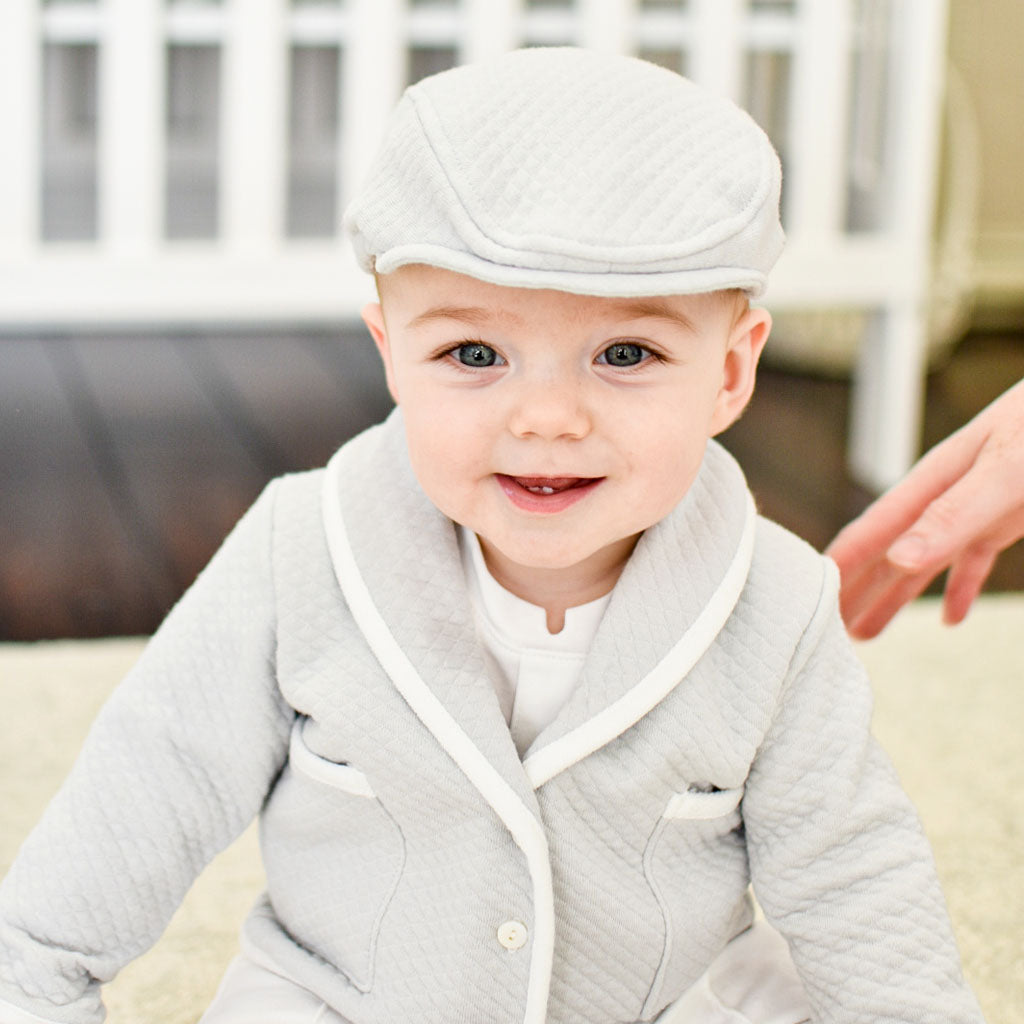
<point x="701" y="805"/>
<point x="338" y="775"/>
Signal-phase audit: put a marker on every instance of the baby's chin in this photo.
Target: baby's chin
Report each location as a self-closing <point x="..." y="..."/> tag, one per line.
<point x="551" y="559"/>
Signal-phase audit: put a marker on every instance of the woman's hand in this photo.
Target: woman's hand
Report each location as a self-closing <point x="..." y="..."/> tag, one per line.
<point x="958" y="508"/>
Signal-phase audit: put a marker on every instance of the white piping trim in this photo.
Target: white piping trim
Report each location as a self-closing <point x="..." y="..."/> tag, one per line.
<point x="618" y="716"/>
<point x="526" y="830"/>
<point x="343" y="777"/>
<point x="696" y="805"/>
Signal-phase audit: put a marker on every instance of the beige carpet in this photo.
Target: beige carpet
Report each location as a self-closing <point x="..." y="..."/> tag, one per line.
<point x="950" y="712"/>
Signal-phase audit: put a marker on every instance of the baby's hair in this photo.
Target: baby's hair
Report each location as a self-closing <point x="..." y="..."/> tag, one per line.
<point x="738" y="299"/>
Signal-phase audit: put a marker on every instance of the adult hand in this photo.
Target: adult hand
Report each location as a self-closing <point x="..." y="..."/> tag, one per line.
<point x="958" y="508"/>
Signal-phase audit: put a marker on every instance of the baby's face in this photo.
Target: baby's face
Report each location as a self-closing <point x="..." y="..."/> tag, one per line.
<point x="559" y="427"/>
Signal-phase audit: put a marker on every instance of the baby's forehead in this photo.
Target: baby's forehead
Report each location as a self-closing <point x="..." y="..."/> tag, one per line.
<point x="422" y="295"/>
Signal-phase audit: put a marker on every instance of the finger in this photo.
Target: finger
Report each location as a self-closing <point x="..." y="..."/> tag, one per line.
<point x="874" y="587"/>
<point x="873" y="615"/>
<point x="870" y="535"/>
<point x="896" y="511"/>
<point x="966" y="578"/>
<point x="952" y="522"/>
<point x="861" y="584"/>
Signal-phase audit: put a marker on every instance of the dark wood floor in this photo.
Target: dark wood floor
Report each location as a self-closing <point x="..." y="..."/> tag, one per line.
<point x="126" y="459"/>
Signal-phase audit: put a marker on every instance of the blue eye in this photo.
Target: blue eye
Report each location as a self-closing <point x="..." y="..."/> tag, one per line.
<point x="476" y="354"/>
<point x="623" y="354"/>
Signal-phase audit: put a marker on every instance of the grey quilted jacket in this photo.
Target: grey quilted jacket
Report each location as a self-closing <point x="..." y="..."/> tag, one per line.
<point x="323" y="674"/>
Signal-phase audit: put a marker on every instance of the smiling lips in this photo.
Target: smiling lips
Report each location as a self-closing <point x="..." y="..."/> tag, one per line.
<point x="546" y="493"/>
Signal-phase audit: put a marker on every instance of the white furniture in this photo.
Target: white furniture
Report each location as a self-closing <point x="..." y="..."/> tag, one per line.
<point x="103" y="100"/>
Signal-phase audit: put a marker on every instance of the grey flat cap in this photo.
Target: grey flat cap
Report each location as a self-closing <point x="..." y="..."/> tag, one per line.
<point x="568" y="169"/>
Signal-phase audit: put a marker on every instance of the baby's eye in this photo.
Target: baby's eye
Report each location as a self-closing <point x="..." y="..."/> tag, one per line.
<point x="476" y="354"/>
<point x="623" y="353"/>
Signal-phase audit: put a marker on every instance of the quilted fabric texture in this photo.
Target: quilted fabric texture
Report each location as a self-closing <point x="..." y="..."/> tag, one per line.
<point x="563" y="168"/>
<point x="390" y="871"/>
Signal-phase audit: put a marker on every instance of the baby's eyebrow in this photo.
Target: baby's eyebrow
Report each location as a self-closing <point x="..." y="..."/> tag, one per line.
<point x="474" y="316"/>
<point x="654" y="309"/>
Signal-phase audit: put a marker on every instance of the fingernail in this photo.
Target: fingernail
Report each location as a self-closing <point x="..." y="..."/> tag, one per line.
<point x="907" y="552"/>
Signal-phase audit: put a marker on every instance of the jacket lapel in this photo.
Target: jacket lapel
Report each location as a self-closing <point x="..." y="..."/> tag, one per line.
<point x="673" y="598"/>
<point x="397" y="561"/>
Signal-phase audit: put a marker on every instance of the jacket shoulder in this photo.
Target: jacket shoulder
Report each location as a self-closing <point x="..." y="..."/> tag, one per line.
<point x="297" y="533"/>
<point x="789" y="580"/>
<point x="297" y="494"/>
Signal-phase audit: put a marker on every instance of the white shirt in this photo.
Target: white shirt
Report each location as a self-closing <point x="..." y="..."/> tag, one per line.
<point x="533" y="671"/>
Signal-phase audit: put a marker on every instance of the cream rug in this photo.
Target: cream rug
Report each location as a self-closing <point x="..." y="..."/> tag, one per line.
<point x="950" y="710"/>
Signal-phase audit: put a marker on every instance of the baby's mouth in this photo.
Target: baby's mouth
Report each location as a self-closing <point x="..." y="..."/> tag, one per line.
<point x="550" y="484"/>
<point x="547" y="495"/>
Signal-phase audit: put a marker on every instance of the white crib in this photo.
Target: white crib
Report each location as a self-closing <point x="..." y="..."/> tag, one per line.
<point x="187" y="161"/>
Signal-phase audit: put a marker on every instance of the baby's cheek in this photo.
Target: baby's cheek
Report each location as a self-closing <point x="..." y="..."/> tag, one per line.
<point x="679" y="467"/>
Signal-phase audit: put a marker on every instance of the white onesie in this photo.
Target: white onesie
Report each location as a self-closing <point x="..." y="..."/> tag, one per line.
<point x="533" y="671"/>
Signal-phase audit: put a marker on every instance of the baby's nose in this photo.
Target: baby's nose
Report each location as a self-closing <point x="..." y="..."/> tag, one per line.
<point x="550" y="409"/>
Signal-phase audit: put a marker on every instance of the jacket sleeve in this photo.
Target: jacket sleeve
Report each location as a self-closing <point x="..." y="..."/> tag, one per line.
<point x="177" y="763"/>
<point x="839" y="862"/>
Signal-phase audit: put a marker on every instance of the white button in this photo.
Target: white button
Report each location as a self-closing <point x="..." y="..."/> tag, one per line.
<point x="513" y="934"/>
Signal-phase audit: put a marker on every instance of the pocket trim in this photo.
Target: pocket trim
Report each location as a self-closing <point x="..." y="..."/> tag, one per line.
<point x="698" y="805"/>
<point x="339" y="776"/>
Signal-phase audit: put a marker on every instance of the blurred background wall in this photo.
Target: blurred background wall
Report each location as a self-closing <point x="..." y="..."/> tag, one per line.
<point x="984" y="46"/>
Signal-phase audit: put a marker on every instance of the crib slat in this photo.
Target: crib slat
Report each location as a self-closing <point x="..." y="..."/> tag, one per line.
<point x="716" y="60"/>
<point x="819" y="105"/>
<point x="254" y="125"/>
<point x="491" y="28"/>
<point x="889" y="379"/>
<point x="606" y="25"/>
<point x="374" y="67"/>
<point x="20" y="84"/>
<point x="919" y="38"/>
<point x="131" y="141"/>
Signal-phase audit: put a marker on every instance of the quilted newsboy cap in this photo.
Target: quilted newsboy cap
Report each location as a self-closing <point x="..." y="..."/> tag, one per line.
<point x="569" y="169"/>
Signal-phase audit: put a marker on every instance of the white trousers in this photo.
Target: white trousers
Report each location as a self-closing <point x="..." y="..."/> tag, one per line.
<point x="250" y="993"/>
<point x="752" y="981"/>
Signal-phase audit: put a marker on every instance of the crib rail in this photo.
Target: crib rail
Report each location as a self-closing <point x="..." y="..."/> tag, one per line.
<point x="849" y="90"/>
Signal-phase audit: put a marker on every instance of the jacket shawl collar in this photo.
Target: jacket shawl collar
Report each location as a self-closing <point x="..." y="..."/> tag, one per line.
<point x="397" y="561"/>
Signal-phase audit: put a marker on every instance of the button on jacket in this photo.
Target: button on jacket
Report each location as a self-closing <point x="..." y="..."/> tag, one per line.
<point x="323" y="673"/>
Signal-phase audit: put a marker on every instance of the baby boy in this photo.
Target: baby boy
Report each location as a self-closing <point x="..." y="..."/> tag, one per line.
<point x="525" y="694"/>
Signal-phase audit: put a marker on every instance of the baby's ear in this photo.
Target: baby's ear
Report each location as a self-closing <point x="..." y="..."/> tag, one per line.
<point x="373" y="317"/>
<point x="746" y="342"/>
